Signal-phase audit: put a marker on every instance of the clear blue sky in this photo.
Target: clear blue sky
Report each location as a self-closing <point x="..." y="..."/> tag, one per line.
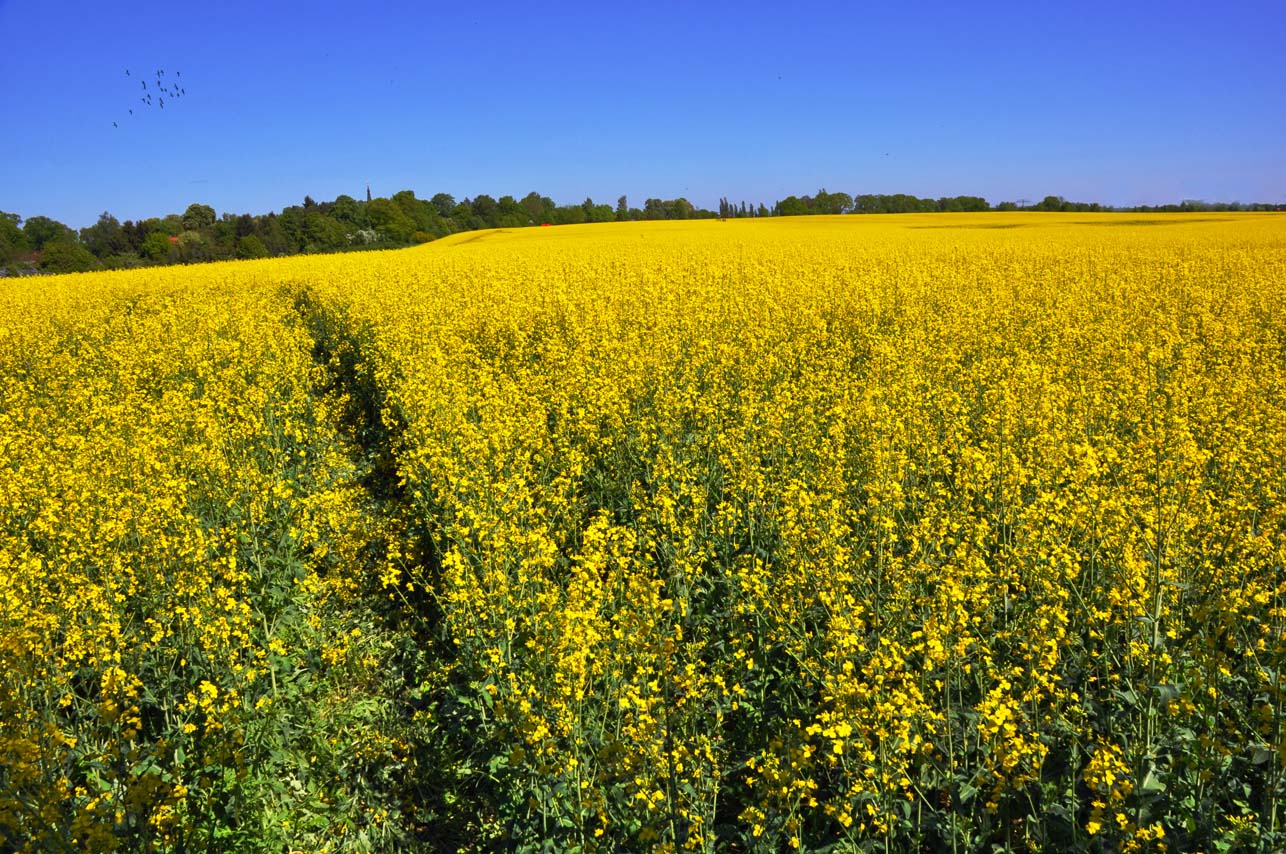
<point x="1120" y="102"/>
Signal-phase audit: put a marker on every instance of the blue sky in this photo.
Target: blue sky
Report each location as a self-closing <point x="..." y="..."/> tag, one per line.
<point x="1121" y="102"/>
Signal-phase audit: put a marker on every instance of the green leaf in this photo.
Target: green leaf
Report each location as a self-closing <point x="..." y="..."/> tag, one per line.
<point x="1152" y="783"/>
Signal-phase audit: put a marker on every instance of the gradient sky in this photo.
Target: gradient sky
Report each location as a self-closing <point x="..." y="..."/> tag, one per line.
<point x="1121" y="102"/>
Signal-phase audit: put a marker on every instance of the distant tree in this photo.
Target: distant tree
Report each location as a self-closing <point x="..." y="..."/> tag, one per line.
<point x="245" y="224"/>
<point x="157" y="247"/>
<point x="105" y="237"/>
<point x="462" y="216"/>
<point x="275" y="237"/>
<point x="569" y="215"/>
<point x="173" y="224"/>
<point x="389" y="221"/>
<point x="832" y="203"/>
<point x="622" y="209"/>
<point x="198" y="217"/>
<point x="291" y="222"/>
<point x="134" y="234"/>
<point x="679" y="208"/>
<point x="223" y="237"/>
<point x="487" y="209"/>
<point x="349" y="211"/>
<point x="866" y="203"/>
<point x="64" y="256"/>
<point x="322" y="233"/>
<point x="12" y="240"/>
<point x="597" y="213"/>
<point x="251" y="246"/>
<point x="791" y="206"/>
<point x="540" y="207"/>
<point x="512" y="214"/>
<point x="39" y="230"/>
<point x="420" y="212"/>
<point x="444" y="203"/>
<point x="195" y="247"/>
<point x="971" y="204"/>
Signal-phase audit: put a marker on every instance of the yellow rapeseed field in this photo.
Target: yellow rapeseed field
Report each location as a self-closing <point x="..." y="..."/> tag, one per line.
<point x="923" y="532"/>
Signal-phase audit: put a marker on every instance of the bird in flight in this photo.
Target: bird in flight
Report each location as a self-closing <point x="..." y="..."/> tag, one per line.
<point x="172" y="91"/>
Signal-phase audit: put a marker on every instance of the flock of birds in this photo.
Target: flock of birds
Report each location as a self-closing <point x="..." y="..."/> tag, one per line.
<point x="162" y="89"/>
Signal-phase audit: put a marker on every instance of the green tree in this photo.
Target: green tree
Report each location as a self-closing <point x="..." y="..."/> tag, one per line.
<point x="64" y="256"/>
<point x="349" y="211"/>
<point x="12" y="241"/>
<point x="970" y="203"/>
<point x="679" y="208"/>
<point x="791" y="206"/>
<point x="832" y="203"/>
<point x="420" y="212"/>
<point x="105" y="237"/>
<point x="251" y="246"/>
<point x="198" y="217"/>
<point x="39" y="230"/>
<point x="275" y="237"/>
<point x="291" y="220"/>
<point x="321" y="233"/>
<point x="540" y="207"/>
<point x="158" y="247"/>
<point x="486" y="209"/>
<point x="569" y="215"/>
<point x="444" y="203"/>
<point x="389" y="221"/>
<point x="513" y="214"/>
<point x="597" y="213"/>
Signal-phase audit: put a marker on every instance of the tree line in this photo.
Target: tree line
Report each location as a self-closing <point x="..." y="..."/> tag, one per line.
<point x="41" y="244"/>
<point x="867" y="203"/>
